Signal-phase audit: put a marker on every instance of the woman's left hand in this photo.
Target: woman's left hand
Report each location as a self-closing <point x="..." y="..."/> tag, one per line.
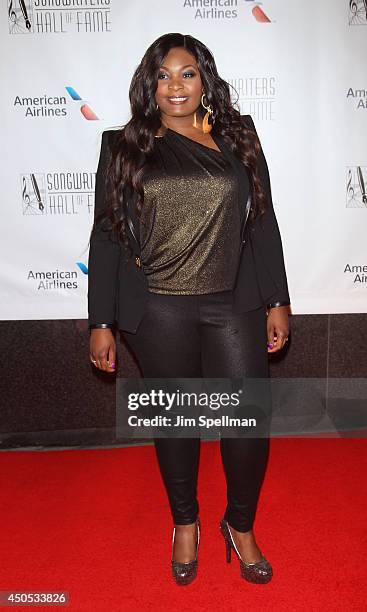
<point x="277" y="327"/>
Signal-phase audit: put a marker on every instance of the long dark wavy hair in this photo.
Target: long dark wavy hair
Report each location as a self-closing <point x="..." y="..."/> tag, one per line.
<point x="135" y="140"/>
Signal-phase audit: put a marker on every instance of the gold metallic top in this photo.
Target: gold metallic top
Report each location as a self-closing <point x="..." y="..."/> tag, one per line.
<point x="190" y="221"/>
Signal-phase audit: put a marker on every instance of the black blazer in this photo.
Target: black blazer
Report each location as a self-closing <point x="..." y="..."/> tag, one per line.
<point x="117" y="286"/>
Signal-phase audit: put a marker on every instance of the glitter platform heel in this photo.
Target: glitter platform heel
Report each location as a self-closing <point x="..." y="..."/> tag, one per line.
<point x="260" y="572"/>
<point x="185" y="573"/>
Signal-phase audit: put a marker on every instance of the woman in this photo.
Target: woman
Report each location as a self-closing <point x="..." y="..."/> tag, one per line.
<point x="173" y="193"/>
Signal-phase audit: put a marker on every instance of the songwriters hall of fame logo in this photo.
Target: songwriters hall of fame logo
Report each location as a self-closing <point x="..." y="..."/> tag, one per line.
<point x="356" y="187"/>
<point x="33" y="194"/>
<point x="357" y="12"/>
<point x="50" y="17"/>
<point x="256" y="95"/>
<point x="57" y="193"/>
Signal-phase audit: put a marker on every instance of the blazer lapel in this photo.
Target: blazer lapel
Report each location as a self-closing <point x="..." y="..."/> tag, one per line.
<point x="238" y="167"/>
<point x="129" y="200"/>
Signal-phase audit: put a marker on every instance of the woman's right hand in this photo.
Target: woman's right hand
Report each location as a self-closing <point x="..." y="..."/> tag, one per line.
<point x="102" y="349"/>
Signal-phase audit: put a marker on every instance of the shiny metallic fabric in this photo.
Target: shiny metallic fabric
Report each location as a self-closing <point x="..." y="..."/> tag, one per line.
<point x="259" y="573"/>
<point x="190" y="222"/>
<point x="185" y="573"/>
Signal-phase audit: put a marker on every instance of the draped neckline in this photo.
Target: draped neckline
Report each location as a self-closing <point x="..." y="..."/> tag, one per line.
<point x="169" y="130"/>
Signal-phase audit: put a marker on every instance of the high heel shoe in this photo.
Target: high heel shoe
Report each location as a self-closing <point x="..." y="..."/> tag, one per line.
<point x="184" y="573"/>
<point x="260" y="572"/>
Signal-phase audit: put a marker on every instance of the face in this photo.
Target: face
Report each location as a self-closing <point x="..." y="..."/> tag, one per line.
<point x="179" y="87"/>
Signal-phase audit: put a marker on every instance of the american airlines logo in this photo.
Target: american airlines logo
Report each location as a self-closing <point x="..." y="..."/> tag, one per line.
<point x="258" y="11"/>
<point x="84" y="107"/>
<point x="227" y="9"/>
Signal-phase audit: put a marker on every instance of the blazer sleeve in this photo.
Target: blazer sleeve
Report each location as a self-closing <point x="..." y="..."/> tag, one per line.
<point x="265" y="235"/>
<point x="104" y="253"/>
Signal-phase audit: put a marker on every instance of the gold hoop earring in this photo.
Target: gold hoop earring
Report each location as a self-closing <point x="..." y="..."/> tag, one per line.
<point x="207" y="127"/>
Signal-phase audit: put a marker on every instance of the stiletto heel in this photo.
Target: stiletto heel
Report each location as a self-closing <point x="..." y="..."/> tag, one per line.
<point x="260" y="572"/>
<point x="228" y="551"/>
<point x="185" y="573"/>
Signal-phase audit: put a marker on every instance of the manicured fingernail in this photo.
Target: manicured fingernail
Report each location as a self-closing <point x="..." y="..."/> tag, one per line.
<point x="113" y="365"/>
<point x="270" y="345"/>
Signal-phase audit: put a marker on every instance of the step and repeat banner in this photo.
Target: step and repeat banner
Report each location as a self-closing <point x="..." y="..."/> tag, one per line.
<point x="298" y="68"/>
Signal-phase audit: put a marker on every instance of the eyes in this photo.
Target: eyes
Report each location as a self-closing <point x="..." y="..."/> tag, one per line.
<point x="187" y="74"/>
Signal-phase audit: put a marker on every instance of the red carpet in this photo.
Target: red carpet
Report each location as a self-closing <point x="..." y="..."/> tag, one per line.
<point x="96" y="523"/>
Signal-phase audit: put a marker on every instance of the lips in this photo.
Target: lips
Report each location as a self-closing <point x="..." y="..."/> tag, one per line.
<point x="177" y="99"/>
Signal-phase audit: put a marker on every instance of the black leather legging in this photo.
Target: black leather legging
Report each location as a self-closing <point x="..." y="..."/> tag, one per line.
<point x="200" y="336"/>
